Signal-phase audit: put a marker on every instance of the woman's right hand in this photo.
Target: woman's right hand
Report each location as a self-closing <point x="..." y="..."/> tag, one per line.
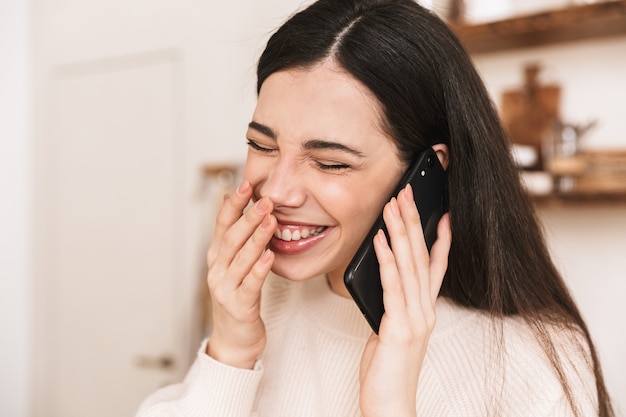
<point x="238" y="265"/>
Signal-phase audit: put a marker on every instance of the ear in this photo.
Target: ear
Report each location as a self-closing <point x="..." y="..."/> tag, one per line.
<point x="443" y="154"/>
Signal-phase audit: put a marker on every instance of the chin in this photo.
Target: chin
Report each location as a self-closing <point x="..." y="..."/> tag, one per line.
<point x="302" y="269"/>
<point x="293" y="273"/>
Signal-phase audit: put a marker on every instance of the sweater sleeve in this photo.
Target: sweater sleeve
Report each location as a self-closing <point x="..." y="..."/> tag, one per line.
<point x="209" y="389"/>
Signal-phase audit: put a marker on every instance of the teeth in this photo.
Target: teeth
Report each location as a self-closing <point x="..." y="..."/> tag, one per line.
<point x="287" y="235"/>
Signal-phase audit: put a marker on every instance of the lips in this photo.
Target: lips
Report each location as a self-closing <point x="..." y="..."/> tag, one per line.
<point x="293" y="239"/>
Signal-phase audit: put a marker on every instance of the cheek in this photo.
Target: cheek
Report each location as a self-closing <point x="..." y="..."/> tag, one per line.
<point x="358" y="205"/>
<point x="375" y="194"/>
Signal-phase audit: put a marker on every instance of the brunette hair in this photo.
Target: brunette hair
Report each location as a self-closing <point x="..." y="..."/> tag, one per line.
<point x="431" y="93"/>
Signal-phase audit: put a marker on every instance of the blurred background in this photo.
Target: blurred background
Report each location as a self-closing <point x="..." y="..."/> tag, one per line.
<point x="122" y="123"/>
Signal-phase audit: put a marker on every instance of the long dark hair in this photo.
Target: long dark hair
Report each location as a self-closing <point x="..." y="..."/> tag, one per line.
<point x="430" y="93"/>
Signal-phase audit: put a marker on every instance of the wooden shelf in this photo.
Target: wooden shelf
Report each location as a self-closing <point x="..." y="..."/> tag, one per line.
<point x="607" y="18"/>
<point x="602" y="181"/>
<point x="215" y="170"/>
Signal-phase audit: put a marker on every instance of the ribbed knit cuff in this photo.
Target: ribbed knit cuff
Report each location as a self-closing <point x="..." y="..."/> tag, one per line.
<point x="216" y="389"/>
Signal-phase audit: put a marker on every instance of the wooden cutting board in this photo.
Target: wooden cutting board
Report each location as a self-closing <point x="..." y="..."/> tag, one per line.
<point x="529" y="112"/>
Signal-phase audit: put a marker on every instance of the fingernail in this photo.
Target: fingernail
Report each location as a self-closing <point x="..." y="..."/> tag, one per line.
<point x="262" y="205"/>
<point x="266" y="256"/>
<point x="448" y="222"/>
<point x="381" y="237"/>
<point x="408" y="193"/>
<point x="243" y="188"/>
<point x="393" y="204"/>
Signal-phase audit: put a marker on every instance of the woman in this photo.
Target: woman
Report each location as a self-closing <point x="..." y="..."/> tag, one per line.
<point x="349" y="92"/>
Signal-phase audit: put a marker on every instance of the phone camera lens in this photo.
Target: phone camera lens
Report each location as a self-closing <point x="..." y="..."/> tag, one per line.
<point x="430" y="162"/>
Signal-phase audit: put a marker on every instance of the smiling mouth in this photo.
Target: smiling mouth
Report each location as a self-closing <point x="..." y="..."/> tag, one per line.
<point x="291" y="235"/>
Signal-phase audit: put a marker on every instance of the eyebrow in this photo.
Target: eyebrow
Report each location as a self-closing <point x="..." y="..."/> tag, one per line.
<point x="324" y="144"/>
<point x="262" y="129"/>
<point x="308" y="145"/>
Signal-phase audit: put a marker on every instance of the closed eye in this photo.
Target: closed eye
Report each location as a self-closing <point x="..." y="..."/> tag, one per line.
<point x="332" y="167"/>
<point x="252" y="144"/>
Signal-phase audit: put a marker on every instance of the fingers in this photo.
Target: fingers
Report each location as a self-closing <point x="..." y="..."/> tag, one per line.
<point x="250" y="262"/>
<point x="252" y="225"/>
<point x="232" y="208"/>
<point x="234" y="229"/>
<point x="418" y="290"/>
<point x="393" y="291"/>
<point x="407" y="240"/>
<point x="251" y="285"/>
<point x="412" y="222"/>
<point x="237" y="254"/>
<point x="232" y="224"/>
<point x="419" y="274"/>
<point x="411" y="256"/>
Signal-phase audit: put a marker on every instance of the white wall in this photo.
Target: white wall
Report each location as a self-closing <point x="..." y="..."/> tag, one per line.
<point x="15" y="210"/>
<point x="588" y="243"/>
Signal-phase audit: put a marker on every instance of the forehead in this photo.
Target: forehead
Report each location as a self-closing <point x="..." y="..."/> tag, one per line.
<point x="321" y="101"/>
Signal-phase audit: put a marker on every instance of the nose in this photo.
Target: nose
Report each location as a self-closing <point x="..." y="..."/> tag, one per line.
<point x="284" y="184"/>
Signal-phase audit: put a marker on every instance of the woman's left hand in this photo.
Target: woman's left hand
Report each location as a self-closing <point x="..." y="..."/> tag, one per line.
<point x="411" y="280"/>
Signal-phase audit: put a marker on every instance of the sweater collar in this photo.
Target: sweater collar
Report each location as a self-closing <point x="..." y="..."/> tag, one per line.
<point x="332" y="311"/>
<point x="341" y="315"/>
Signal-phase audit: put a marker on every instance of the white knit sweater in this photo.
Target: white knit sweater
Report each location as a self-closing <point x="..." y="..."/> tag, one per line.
<point x="311" y="362"/>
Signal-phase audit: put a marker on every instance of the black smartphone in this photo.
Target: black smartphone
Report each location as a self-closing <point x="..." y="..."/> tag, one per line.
<point x="362" y="277"/>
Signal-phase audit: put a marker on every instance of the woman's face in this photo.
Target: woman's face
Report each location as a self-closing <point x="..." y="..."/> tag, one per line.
<point x="317" y="149"/>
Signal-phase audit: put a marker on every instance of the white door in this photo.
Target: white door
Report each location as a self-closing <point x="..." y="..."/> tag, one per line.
<point x="113" y="229"/>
